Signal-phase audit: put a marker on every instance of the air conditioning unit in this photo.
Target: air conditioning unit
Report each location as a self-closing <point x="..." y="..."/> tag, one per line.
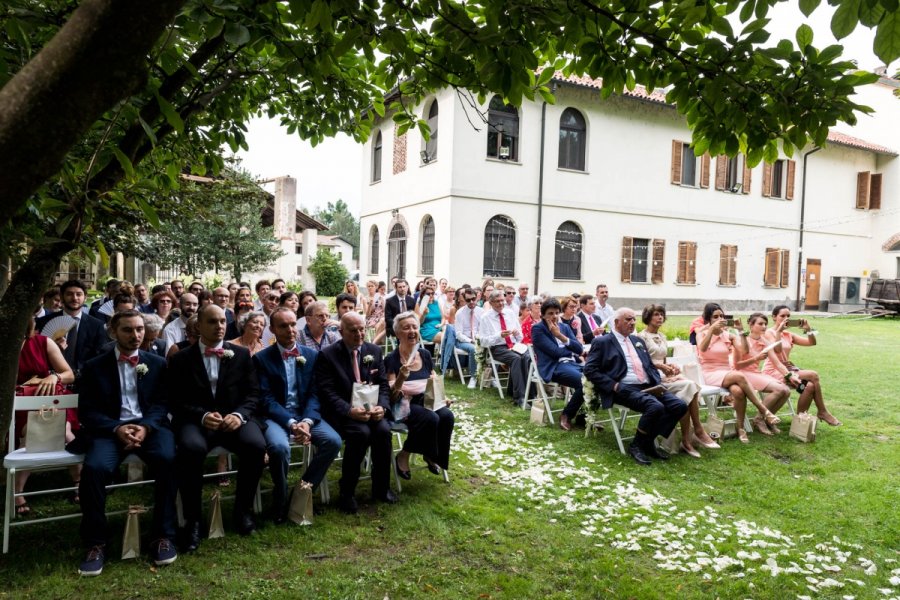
<point x="846" y="290"/>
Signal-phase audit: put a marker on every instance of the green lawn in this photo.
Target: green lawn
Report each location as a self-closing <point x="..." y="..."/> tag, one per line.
<point x="534" y="512"/>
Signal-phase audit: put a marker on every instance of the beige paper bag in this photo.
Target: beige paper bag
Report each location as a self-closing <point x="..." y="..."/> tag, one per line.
<point x="300" y="510"/>
<point x="715" y="427"/>
<point x="803" y="427"/>
<point x="131" y="541"/>
<point x="538" y="414"/>
<point x="435" y="398"/>
<point x="46" y="430"/>
<point x="216" y="528"/>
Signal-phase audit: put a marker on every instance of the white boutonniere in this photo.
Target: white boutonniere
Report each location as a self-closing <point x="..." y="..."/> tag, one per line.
<point x="301" y="360"/>
<point x="141" y="370"/>
<point x="228" y="354"/>
<point x="368" y="359"/>
<point x="639" y="345"/>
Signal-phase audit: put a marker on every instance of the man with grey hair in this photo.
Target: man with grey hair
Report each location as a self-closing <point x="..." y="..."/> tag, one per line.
<point x="499" y="331"/>
<point x="174" y="331"/>
<point x="153" y="341"/>
<point x="523" y="297"/>
<point x="620" y="368"/>
<point x="315" y="334"/>
<point x="220" y="298"/>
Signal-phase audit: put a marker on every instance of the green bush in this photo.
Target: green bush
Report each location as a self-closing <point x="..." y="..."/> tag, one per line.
<point x="330" y="274"/>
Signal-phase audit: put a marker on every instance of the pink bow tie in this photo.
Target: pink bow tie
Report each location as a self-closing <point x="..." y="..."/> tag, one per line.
<point x="215" y="352"/>
<point x="132" y="360"/>
<point x="289" y="353"/>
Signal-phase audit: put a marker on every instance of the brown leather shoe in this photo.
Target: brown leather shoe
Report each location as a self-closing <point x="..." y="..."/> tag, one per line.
<point x="564" y="423"/>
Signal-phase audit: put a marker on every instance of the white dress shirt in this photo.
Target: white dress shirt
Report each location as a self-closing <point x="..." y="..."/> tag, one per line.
<point x="464" y="331"/>
<point x="212" y="365"/>
<point x="604" y="312"/>
<point x="131" y="408"/>
<point x="175" y="332"/>
<point x="490" y="328"/>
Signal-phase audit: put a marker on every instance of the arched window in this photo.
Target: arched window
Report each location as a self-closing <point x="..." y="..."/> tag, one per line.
<point x="397" y="252"/>
<point x="572" y="140"/>
<point x="500" y="247"/>
<point x="373" y="250"/>
<point x="503" y="130"/>
<point x="567" y="258"/>
<point x="429" y="153"/>
<point x="427" y="246"/>
<point x="377" y="151"/>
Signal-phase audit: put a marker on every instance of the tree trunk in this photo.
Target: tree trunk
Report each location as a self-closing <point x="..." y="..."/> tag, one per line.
<point x="16" y="307"/>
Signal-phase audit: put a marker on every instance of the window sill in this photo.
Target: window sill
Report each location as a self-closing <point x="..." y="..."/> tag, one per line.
<point x="638" y="282"/>
<point x="377" y="181"/>
<point x="555" y="280"/>
<point x="427" y="164"/>
<point x="502" y="161"/>
<point x="727" y="285"/>
<point x="565" y="170"/>
<point x="695" y="284"/>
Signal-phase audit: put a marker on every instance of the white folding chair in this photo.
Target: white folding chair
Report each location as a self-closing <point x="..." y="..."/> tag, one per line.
<point x="534" y="378"/>
<point x="616" y="422"/>
<point x="457" y="352"/>
<point x="492" y="372"/>
<point x="712" y="395"/>
<point x="399" y="431"/>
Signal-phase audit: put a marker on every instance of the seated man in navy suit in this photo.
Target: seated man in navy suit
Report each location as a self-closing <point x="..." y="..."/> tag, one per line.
<point x="621" y="370"/>
<point x="123" y="410"/>
<point x="557" y="350"/>
<point x="288" y="399"/>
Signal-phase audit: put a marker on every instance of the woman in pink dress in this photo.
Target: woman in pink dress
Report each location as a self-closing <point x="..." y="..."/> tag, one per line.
<point x="779" y="364"/>
<point x="715" y="347"/>
<point x="748" y="363"/>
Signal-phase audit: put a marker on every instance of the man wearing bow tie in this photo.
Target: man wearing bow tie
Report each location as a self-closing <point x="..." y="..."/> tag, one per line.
<point x="123" y="410"/>
<point x="289" y="402"/>
<point x="214" y="394"/>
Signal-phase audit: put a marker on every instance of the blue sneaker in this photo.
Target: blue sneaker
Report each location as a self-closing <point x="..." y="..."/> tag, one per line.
<point x="93" y="562"/>
<point x="162" y="552"/>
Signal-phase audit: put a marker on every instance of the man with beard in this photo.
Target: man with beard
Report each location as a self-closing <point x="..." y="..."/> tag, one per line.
<point x="174" y="331"/>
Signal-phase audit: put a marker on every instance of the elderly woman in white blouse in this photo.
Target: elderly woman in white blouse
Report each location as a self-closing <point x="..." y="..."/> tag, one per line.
<point x="653" y="316"/>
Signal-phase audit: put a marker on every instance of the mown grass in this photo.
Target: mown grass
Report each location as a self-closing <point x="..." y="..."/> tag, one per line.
<point x="470" y="540"/>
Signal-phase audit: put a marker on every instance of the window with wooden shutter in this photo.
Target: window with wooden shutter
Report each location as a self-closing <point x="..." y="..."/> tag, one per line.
<point x="862" y="190"/>
<point x="875" y="191"/>
<point x="677" y="149"/>
<point x="745" y="187"/>
<point x="704" y="170"/>
<point x="727" y="264"/>
<point x="659" y="256"/>
<point x="773" y="263"/>
<point x="789" y="186"/>
<point x="767" y="180"/>
<point x="721" y="170"/>
<point x="785" y="268"/>
<point x="691" y="263"/>
<point x="627" y="251"/>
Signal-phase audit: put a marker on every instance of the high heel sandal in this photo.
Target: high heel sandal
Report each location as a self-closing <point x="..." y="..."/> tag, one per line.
<point x="771" y="419"/>
<point x="22" y="510"/>
<point x="742" y="436"/>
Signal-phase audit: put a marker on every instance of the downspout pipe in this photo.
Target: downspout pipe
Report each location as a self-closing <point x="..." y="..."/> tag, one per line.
<point x="797" y="306"/>
<point x="540" y="197"/>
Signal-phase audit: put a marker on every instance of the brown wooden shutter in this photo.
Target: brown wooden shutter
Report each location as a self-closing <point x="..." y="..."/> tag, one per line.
<point x="704" y="170"/>
<point x="723" y="264"/>
<point x="681" y="271"/>
<point x="767" y="180"/>
<point x="732" y="265"/>
<point x="659" y="257"/>
<point x="745" y="187"/>
<point x="773" y="261"/>
<point x="727" y="264"/>
<point x="875" y="191"/>
<point x="627" y="251"/>
<point x="785" y="268"/>
<point x="677" y="149"/>
<point x="862" y="190"/>
<point x="789" y="190"/>
<point x="721" y="169"/>
<point x="692" y="263"/>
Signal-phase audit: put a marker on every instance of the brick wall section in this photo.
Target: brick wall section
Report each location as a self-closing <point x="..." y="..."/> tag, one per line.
<point x="399" y="152"/>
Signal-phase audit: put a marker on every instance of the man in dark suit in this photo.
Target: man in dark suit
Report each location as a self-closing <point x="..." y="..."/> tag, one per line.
<point x="86" y="339"/>
<point x="558" y="350"/>
<point x="289" y="402"/>
<point x="591" y="323"/>
<point x="112" y="288"/>
<point x="122" y="409"/>
<point x="621" y="370"/>
<point x="214" y="394"/>
<point x="396" y="304"/>
<point x="338" y="367"/>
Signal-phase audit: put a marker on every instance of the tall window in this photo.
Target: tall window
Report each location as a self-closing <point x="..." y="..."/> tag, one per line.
<point x="642" y="260"/>
<point x="427" y="245"/>
<point x="688" y="169"/>
<point x="572" y="140"/>
<point x="500" y="247"/>
<point x="868" y="190"/>
<point x="687" y="263"/>
<point x="397" y="252"/>
<point x="728" y="265"/>
<point x="778" y="268"/>
<point x="778" y="179"/>
<point x="732" y="174"/>
<point x="503" y="130"/>
<point x="373" y="250"/>
<point x="376" y="158"/>
<point x="431" y="146"/>
<point x="567" y="259"/>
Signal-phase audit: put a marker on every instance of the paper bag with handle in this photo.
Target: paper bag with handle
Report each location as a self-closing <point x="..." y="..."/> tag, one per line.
<point x="46" y="430"/>
<point x="300" y="510"/>
<point x="216" y="528"/>
<point x="803" y="427"/>
<point x="131" y="541"/>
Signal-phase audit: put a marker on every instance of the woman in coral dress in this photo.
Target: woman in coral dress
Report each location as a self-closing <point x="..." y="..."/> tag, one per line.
<point x="759" y="347"/>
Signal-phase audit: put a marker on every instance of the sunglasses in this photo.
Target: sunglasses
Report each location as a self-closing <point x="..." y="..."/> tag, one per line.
<point x="470" y="300"/>
<point x="510" y="293"/>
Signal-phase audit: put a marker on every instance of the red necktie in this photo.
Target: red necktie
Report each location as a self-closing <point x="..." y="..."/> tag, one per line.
<point x="289" y="353"/>
<point x="636" y="362"/>
<point x="356" y="366"/>
<point x="131" y="360"/>
<point x="509" y="342"/>
<point x="215" y="352"/>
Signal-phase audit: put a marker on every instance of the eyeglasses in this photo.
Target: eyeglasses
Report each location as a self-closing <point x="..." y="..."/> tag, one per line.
<point x="510" y="293"/>
<point x="469" y="300"/>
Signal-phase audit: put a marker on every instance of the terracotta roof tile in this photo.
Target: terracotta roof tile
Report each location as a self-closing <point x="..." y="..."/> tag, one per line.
<point x="842" y="139"/>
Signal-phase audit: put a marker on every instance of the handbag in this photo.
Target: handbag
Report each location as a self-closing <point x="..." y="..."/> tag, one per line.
<point x="45" y="431"/>
<point x="364" y="395"/>
<point x="300" y="510"/>
<point x="803" y="427"/>
<point x="131" y="540"/>
<point x="216" y="528"/>
<point x="435" y="397"/>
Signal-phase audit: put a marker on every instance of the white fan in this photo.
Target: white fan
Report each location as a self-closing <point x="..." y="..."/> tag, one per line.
<point x="106" y="308"/>
<point x="59" y="326"/>
<point x="268" y="338"/>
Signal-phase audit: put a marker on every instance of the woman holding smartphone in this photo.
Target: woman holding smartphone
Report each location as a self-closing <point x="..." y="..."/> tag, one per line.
<point x="779" y="363"/>
<point x="428" y="309"/>
<point x="759" y="347"/>
<point x="715" y="347"/>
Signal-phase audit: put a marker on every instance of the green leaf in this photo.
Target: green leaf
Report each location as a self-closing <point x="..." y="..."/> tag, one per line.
<point x="124" y="162"/>
<point x="808" y="6"/>
<point x="151" y="135"/>
<point x="171" y="115"/>
<point x="887" y="38"/>
<point x="804" y="36"/>
<point x="845" y="18"/>
<point x="236" y="34"/>
<point x="149" y="212"/>
<point x="104" y="255"/>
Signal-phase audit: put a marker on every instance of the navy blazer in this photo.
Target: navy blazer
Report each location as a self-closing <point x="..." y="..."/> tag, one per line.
<point x="334" y="379"/>
<point x="100" y="394"/>
<point x="190" y="394"/>
<point x="548" y="352"/>
<point x="273" y="385"/>
<point x="605" y="366"/>
<point x="91" y="338"/>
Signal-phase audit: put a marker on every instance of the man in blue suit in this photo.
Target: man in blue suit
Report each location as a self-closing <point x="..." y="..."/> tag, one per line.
<point x="558" y="351"/>
<point x="122" y="408"/>
<point x="620" y="369"/>
<point x="290" y="405"/>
